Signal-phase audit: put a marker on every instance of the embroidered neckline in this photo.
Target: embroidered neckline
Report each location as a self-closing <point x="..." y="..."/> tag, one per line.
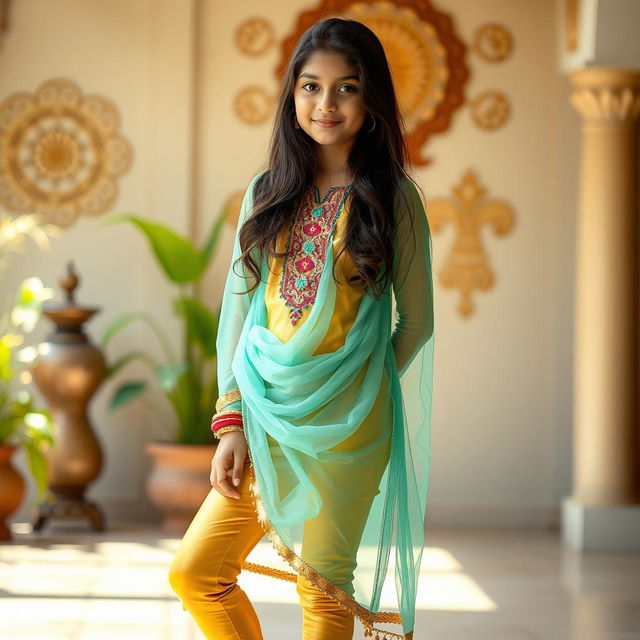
<point x="306" y="247"/>
<point x="316" y="192"/>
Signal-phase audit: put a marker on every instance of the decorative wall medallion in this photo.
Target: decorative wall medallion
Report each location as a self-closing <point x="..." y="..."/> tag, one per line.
<point x="425" y="55"/>
<point x="490" y="110"/>
<point x="254" y="36"/>
<point x="60" y="152"/>
<point x="467" y="267"/>
<point x="253" y="105"/>
<point x="493" y="42"/>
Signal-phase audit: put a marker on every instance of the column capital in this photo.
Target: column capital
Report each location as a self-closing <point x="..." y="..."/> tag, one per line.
<point x="606" y="94"/>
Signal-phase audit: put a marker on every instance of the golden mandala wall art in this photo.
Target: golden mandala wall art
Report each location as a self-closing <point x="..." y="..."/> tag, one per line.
<point x="493" y="42"/>
<point x="467" y="266"/>
<point x="253" y="105"/>
<point x="426" y="57"/>
<point x="490" y="110"/>
<point x="60" y="152"/>
<point x="254" y="36"/>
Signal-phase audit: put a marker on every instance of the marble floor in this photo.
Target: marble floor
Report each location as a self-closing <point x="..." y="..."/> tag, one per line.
<point x="66" y="583"/>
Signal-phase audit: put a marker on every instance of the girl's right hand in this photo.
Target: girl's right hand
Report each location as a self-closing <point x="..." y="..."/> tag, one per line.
<point x="230" y="454"/>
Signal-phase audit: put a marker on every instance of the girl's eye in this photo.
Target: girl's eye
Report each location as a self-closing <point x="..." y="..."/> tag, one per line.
<point x="351" y="88"/>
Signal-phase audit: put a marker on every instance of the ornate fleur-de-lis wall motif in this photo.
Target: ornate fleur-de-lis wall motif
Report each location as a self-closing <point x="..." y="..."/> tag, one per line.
<point x="467" y="265"/>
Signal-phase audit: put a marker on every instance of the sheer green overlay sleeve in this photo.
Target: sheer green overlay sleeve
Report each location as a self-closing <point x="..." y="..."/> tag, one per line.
<point x="412" y="283"/>
<point x="235" y="305"/>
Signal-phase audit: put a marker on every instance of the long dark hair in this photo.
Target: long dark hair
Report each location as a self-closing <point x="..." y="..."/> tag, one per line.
<point x="377" y="159"/>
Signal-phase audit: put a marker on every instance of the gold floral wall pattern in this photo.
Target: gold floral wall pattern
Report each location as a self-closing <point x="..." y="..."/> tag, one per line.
<point x="467" y="267"/>
<point x="426" y="57"/>
<point x="490" y="109"/>
<point x="493" y="42"/>
<point x="60" y="152"/>
<point x="254" y="36"/>
<point x="253" y="104"/>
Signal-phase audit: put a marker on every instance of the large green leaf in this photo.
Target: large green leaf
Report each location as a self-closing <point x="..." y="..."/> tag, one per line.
<point x="212" y="238"/>
<point x="38" y="467"/>
<point x="120" y="323"/>
<point x="168" y="376"/>
<point x="127" y="392"/>
<point x="113" y="368"/>
<point x="202" y="325"/>
<point x="180" y="260"/>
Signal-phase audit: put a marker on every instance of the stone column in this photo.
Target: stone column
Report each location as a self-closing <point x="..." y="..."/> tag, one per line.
<point x="604" y="509"/>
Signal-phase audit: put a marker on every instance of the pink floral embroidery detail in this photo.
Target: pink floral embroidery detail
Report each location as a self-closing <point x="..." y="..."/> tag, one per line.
<point x="303" y="266"/>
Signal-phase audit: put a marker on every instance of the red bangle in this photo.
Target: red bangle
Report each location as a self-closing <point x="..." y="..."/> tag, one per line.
<point x="217" y="422"/>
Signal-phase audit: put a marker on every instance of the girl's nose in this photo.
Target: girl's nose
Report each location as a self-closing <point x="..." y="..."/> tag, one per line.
<point x="327" y="103"/>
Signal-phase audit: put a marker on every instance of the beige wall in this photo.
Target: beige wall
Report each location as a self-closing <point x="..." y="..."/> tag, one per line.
<point x="502" y="407"/>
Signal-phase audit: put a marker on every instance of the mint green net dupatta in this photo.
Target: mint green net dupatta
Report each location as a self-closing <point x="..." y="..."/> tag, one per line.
<point x="339" y="442"/>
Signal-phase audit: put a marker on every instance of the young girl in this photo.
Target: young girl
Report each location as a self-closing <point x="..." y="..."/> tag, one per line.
<point x="311" y="420"/>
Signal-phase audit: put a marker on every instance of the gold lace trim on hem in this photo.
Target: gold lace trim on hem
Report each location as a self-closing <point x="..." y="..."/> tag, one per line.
<point x="228" y="397"/>
<point x="366" y="617"/>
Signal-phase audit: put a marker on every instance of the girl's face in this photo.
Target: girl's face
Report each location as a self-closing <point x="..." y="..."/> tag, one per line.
<point x="328" y="89"/>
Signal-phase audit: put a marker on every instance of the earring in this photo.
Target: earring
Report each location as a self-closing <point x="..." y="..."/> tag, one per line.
<point x="296" y="124"/>
<point x="374" y="124"/>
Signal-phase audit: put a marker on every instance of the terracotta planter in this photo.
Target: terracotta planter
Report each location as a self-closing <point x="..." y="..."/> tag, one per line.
<point x="12" y="489"/>
<point x="179" y="481"/>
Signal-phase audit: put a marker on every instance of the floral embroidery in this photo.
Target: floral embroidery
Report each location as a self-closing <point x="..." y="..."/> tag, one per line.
<point x="307" y="245"/>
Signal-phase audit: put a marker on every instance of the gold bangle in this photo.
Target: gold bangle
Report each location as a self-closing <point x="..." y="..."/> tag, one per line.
<point x="227" y="398"/>
<point x="225" y="412"/>
<point x="227" y="429"/>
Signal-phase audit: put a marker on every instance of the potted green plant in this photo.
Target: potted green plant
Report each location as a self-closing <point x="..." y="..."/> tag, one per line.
<point x="185" y="376"/>
<point x="22" y="423"/>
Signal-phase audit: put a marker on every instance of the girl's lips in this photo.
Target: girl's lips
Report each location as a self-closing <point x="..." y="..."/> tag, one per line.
<point x="327" y="123"/>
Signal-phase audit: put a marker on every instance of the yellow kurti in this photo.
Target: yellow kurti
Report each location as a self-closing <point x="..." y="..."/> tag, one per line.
<point x="335" y="514"/>
<point x="343" y="524"/>
<point x="336" y="202"/>
<point x="347" y="297"/>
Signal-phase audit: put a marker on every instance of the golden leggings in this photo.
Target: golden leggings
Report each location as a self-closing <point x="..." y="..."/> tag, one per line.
<point x="208" y="560"/>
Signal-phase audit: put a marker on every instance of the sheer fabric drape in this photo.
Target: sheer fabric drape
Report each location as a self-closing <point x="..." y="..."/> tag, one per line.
<point x="339" y="440"/>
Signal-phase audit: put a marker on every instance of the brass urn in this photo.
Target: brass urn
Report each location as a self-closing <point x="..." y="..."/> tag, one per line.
<point x="68" y="371"/>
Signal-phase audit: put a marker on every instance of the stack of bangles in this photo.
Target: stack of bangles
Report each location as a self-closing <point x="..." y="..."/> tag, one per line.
<point x="226" y="420"/>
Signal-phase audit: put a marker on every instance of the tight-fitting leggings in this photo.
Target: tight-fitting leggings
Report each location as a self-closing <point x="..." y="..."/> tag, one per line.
<point x="208" y="560"/>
